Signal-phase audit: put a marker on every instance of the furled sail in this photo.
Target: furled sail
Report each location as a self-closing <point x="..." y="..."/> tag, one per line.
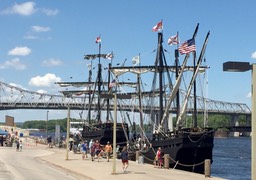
<point x="117" y="71"/>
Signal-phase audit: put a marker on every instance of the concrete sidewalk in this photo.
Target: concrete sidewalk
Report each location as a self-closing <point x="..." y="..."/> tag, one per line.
<point x="88" y="169"/>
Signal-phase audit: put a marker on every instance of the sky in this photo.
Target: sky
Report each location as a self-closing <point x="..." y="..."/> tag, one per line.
<point x="43" y="42"/>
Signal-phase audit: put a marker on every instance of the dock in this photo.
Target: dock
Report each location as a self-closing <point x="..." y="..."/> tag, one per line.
<point x="94" y="170"/>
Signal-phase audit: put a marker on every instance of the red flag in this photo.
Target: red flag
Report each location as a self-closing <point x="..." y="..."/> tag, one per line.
<point x="98" y="40"/>
<point x="173" y="40"/>
<point x="158" y="26"/>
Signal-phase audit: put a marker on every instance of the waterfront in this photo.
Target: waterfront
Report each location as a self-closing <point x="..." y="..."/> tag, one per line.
<point x="232" y="158"/>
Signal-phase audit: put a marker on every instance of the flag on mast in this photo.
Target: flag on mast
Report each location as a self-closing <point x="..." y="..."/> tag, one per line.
<point x="135" y="60"/>
<point x="158" y="26"/>
<point x="98" y="40"/>
<point x="112" y="84"/>
<point x="173" y="40"/>
<point x="188" y="46"/>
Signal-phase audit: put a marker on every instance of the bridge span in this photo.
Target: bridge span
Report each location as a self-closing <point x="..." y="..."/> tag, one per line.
<point x="12" y="97"/>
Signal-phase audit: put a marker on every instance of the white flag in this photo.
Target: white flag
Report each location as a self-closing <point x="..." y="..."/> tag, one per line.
<point x="136" y="60"/>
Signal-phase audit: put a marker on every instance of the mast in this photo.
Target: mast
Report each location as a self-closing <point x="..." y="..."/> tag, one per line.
<point x="194" y="96"/>
<point x="140" y="104"/>
<point x="90" y="99"/>
<point x="177" y="75"/>
<point x="160" y="69"/>
<point x="109" y="67"/>
<point x="99" y="83"/>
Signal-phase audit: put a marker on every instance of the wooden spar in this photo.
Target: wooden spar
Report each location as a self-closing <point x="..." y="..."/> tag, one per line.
<point x="192" y="81"/>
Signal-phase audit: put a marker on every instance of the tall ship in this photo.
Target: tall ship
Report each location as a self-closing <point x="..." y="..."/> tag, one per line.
<point x="146" y="121"/>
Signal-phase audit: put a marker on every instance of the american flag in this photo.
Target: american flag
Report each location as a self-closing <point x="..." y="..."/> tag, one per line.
<point x="98" y="40"/>
<point x="188" y="46"/>
<point x="158" y="26"/>
<point x="173" y="40"/>
<point x="112" y="84"/>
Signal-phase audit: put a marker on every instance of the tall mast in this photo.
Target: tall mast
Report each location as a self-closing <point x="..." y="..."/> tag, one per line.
<point x="109" y="66"/>
<point x="177" y="75"/>
<point x="99" y="83"/>
<point x="90" y="99"/>
<point x="160" y="69"/>
<point x="195" y="103"/>
<point x="140" y="104"/>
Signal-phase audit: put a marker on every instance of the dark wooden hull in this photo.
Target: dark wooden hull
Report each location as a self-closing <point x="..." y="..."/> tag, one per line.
<point x="187" y="150"/>
<point x="104" y="133"/>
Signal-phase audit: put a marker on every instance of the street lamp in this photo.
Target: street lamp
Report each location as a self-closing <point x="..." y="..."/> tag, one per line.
<point x="47" y="113"/>
<point x="116" y="96"/>
<point x="232" y="66"/>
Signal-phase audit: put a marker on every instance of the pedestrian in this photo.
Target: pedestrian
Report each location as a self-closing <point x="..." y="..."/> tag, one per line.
<point x="97" y="149"/>
<point x="20" y="145"/>
<point x="71" y="142"/>
<point x="90" y="144"/>
<point x="84" y="150"/>
<point x="124" y="158"/>
<point x="92" y="150"/>
<point x="108" y="150"/>
<point x="159" y="157"/>
<point x="17" y="144"/>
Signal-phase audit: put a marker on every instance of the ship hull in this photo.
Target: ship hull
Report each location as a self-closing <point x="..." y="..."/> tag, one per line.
<point x="187" y="150"/>
<point x="104" y="133"/>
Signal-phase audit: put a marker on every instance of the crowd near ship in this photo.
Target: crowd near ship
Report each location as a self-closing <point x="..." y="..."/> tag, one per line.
<point x="156" y="117"/>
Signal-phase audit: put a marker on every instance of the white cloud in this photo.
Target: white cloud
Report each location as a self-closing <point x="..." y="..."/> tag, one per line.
<point x="50" y="12"/>
<point x="51" y="62"/>
<point x="25" y="9"/>
<point x="13" y="64"/>
<point x="47" y="80"/>
<point x="30" y="37"/>
<point x="253" y="55"/>
<point x="20" y="51"/>
<point x="40" y="29"/>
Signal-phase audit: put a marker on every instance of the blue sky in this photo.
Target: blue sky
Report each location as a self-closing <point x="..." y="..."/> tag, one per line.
<point x="44" y="41"/>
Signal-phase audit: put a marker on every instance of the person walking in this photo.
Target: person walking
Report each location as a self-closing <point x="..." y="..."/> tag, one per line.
<point x="92" y="150"/>
<point x="159" y="157"/>
<point x="108" y="150"/>
<point x="17" y="144"/>
<point x="97" y="149"/>
<point x="84" y="150"/>
<point x="124" y="158"/>
<point x="20" y="145"/>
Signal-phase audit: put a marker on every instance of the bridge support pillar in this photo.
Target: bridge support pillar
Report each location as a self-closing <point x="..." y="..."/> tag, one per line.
<point x="248" y="120"/>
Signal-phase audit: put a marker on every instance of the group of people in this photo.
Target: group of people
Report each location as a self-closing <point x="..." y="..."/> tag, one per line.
<point x="96" y="150"/>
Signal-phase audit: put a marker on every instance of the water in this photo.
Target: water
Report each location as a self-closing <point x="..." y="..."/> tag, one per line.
<point x="232" y="158"/>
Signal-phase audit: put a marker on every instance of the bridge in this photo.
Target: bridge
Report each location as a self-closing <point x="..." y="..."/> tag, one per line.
<point x="12" y="97"/>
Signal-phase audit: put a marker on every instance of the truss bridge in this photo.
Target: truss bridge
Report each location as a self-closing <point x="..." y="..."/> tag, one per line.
<point x="12" y="97"/>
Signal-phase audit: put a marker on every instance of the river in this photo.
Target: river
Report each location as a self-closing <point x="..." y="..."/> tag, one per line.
<point x="232" y="158"/>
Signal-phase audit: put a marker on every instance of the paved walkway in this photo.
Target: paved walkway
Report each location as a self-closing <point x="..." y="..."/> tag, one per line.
<point x="88" y="169"/>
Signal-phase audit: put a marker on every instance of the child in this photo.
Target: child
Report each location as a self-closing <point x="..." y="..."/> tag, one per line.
<point x="20" y="145"/>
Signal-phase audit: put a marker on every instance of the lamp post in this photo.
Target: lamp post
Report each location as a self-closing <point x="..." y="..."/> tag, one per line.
<point x="116" y="96"/>
<point x="232" y="66"/>
<point x="47" y="113"/>
<point x="67" y="136"/>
